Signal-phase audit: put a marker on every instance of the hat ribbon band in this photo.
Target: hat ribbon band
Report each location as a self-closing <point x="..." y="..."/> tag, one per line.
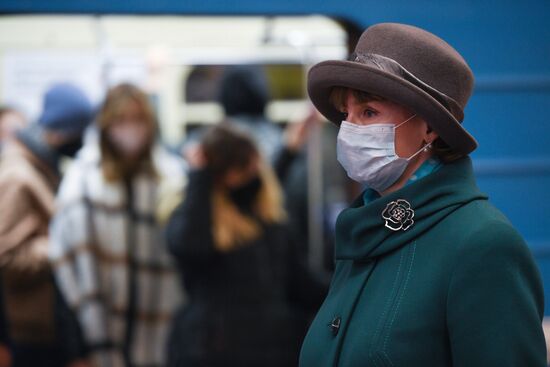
<point x="393" y="67"/>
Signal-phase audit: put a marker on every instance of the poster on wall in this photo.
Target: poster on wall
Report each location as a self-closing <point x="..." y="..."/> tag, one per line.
<point x="26" y="75"/>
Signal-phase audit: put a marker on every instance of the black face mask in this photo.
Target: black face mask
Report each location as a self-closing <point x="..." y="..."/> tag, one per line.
<point x="245" y="195"/>
<point x="69" y="149"/>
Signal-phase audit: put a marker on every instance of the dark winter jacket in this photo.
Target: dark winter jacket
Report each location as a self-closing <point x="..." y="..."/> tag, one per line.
<point x="246" y="305"/>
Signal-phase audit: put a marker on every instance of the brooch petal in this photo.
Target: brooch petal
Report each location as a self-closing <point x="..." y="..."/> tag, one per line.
<point x="398" y="215"/>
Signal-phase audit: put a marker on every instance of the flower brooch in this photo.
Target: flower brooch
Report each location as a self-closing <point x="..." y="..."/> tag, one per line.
<point x="398" y="215"/>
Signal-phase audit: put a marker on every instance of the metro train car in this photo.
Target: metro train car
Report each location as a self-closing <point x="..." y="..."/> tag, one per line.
<point x="506" y="43"/>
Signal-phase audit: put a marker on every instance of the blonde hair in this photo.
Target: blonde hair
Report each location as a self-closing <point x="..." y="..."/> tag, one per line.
<point x="232" y="228"/>
<point x="114" y="167"/>
<point x="227" y="148"/>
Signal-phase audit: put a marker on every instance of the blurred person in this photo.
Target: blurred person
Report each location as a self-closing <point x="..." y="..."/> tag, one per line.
<point x="247" y="287"/>
<point x="428" y="272"/>
<point x="291" y="166"/>
<point x="38" y="328"/>
<point x="244" y="95"/>
<point x="107" y="235"/>
<point x="11" y="120"/>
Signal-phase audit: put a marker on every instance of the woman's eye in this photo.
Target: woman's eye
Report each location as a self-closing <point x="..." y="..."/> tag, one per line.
<point x="369" y="113"/>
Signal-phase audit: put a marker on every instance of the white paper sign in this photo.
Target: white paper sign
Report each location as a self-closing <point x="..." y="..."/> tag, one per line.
<point x="28" y="74"/>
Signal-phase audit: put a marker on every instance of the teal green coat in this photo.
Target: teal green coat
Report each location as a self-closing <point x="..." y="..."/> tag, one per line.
<point x="452" y="284"/>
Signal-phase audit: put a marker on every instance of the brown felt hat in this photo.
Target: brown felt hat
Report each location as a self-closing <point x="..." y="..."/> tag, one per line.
<point x="406" y="65"/>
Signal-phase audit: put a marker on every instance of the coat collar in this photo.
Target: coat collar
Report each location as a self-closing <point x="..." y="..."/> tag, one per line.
<point x="17" y="150"/>
<point x="364" y="232"/>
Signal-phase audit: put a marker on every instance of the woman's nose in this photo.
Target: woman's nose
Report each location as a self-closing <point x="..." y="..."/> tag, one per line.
<point x="350" y="116"/>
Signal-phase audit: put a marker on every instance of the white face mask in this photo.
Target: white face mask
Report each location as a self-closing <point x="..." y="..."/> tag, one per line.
<point x="367" y="153"/>
<point x="130" y="140"/>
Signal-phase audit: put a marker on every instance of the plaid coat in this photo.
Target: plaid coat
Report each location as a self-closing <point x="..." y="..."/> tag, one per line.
<point x="110" y="260"/>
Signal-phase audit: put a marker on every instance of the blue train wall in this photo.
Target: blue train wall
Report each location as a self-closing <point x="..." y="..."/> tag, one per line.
<point x="507" y="44"/>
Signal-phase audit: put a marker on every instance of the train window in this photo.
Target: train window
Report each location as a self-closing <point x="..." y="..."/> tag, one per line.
<point x="284" y="86"/>
<point x="176" y="59"/>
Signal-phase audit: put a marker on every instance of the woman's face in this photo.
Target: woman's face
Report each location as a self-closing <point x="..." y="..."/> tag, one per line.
<point x="129" y="133"/>
<point x="238" y="177"/>
<point x="409" y="137"/>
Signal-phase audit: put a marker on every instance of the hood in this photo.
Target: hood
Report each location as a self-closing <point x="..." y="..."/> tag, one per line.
<point x="32" y="138"/>
<point x="365" y="232"/>
<point x="244" y="90"/>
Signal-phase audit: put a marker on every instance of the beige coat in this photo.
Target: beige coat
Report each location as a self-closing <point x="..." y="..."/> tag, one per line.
<point x="27" y="189"/>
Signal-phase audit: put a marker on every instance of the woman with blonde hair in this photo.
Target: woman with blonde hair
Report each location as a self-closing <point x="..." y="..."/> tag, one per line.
<point x="107" y="236"/>
<point x="244" y="280"/>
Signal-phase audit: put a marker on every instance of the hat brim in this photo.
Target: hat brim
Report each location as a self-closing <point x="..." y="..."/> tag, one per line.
<point x="335" y="73"/>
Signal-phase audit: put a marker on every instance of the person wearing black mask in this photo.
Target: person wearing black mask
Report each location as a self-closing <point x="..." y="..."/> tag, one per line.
<point x="37" y="320"/>
<point x="246" y="285"/>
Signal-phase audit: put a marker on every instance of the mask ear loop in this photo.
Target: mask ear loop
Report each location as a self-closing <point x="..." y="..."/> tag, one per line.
<point x="407" y="120"/>
<point x="424" y="148"/>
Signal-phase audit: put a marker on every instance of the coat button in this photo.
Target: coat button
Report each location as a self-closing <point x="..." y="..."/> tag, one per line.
<point x="335" y="325"/>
